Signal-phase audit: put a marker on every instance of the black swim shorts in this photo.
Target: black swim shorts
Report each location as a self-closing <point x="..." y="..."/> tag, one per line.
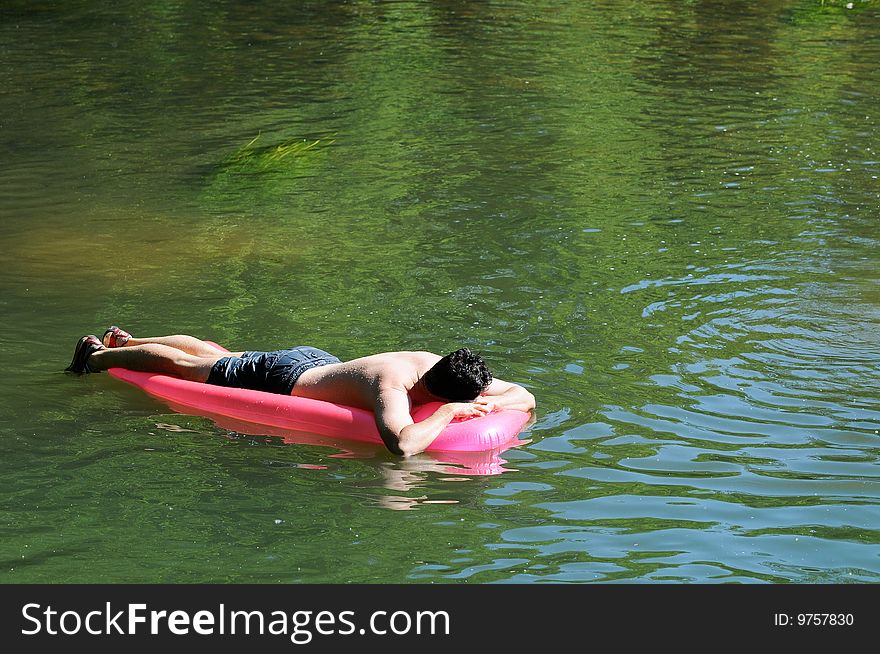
<point x="273" y="372"/>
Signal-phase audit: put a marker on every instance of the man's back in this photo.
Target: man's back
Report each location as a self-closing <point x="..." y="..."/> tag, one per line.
<point x="360" y="382"/>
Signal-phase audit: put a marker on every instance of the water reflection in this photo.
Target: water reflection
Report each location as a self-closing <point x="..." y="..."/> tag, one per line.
<point x="406" y="475"/>
<point x="397" y="475"/>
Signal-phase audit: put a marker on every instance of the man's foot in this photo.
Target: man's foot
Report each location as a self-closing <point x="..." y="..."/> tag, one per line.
<point x="115" y="337"/>
<point x="85" y="347"/>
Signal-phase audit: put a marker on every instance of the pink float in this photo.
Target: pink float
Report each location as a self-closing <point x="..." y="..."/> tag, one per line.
<point x="495" y="430"/>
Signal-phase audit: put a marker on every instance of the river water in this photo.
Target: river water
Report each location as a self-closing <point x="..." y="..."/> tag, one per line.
<point x="660" y="217"/>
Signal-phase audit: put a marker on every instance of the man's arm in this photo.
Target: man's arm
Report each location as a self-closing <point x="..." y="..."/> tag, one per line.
<point x="504" y="395"/>
<point x="401" y="435"/>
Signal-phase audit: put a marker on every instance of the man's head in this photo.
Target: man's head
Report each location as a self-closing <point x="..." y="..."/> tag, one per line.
<point x="460" y="376"/>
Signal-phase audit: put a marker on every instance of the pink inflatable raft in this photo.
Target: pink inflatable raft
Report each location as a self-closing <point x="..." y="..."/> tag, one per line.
<point x="496" y="430"/>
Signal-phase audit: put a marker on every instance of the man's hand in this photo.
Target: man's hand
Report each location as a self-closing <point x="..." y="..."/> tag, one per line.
<point x="473" y="409"/>
<point x="488" y="403"/>
<point x="504" y="395"/>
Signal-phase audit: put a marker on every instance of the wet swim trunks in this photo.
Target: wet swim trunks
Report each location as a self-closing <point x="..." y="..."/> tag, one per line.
<point x="273" y="372"/>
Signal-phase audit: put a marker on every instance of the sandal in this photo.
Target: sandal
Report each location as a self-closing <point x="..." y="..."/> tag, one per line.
<point x="117" y="337"/>
<point x="85" y="347"/>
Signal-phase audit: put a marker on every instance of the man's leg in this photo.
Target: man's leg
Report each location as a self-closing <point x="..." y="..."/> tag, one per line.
<point x="189" y="344"/>
<point x="155" y="357"/>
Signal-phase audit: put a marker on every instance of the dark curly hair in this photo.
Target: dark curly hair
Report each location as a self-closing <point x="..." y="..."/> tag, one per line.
<point x="460" y="376"/>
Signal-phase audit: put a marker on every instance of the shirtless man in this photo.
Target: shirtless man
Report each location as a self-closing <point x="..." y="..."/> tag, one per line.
<point x="387" y="384"/>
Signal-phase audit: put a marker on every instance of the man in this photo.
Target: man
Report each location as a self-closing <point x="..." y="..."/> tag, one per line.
<point x="387" y="384"/>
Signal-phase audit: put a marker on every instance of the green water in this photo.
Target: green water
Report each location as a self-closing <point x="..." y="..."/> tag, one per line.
<point x="661" y="217"/>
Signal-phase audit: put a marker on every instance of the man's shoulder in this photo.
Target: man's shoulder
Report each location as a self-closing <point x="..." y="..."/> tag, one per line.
<point x="412" y="355"/>
<point x="425" y="353"/>
<point x="403" y="368"/>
